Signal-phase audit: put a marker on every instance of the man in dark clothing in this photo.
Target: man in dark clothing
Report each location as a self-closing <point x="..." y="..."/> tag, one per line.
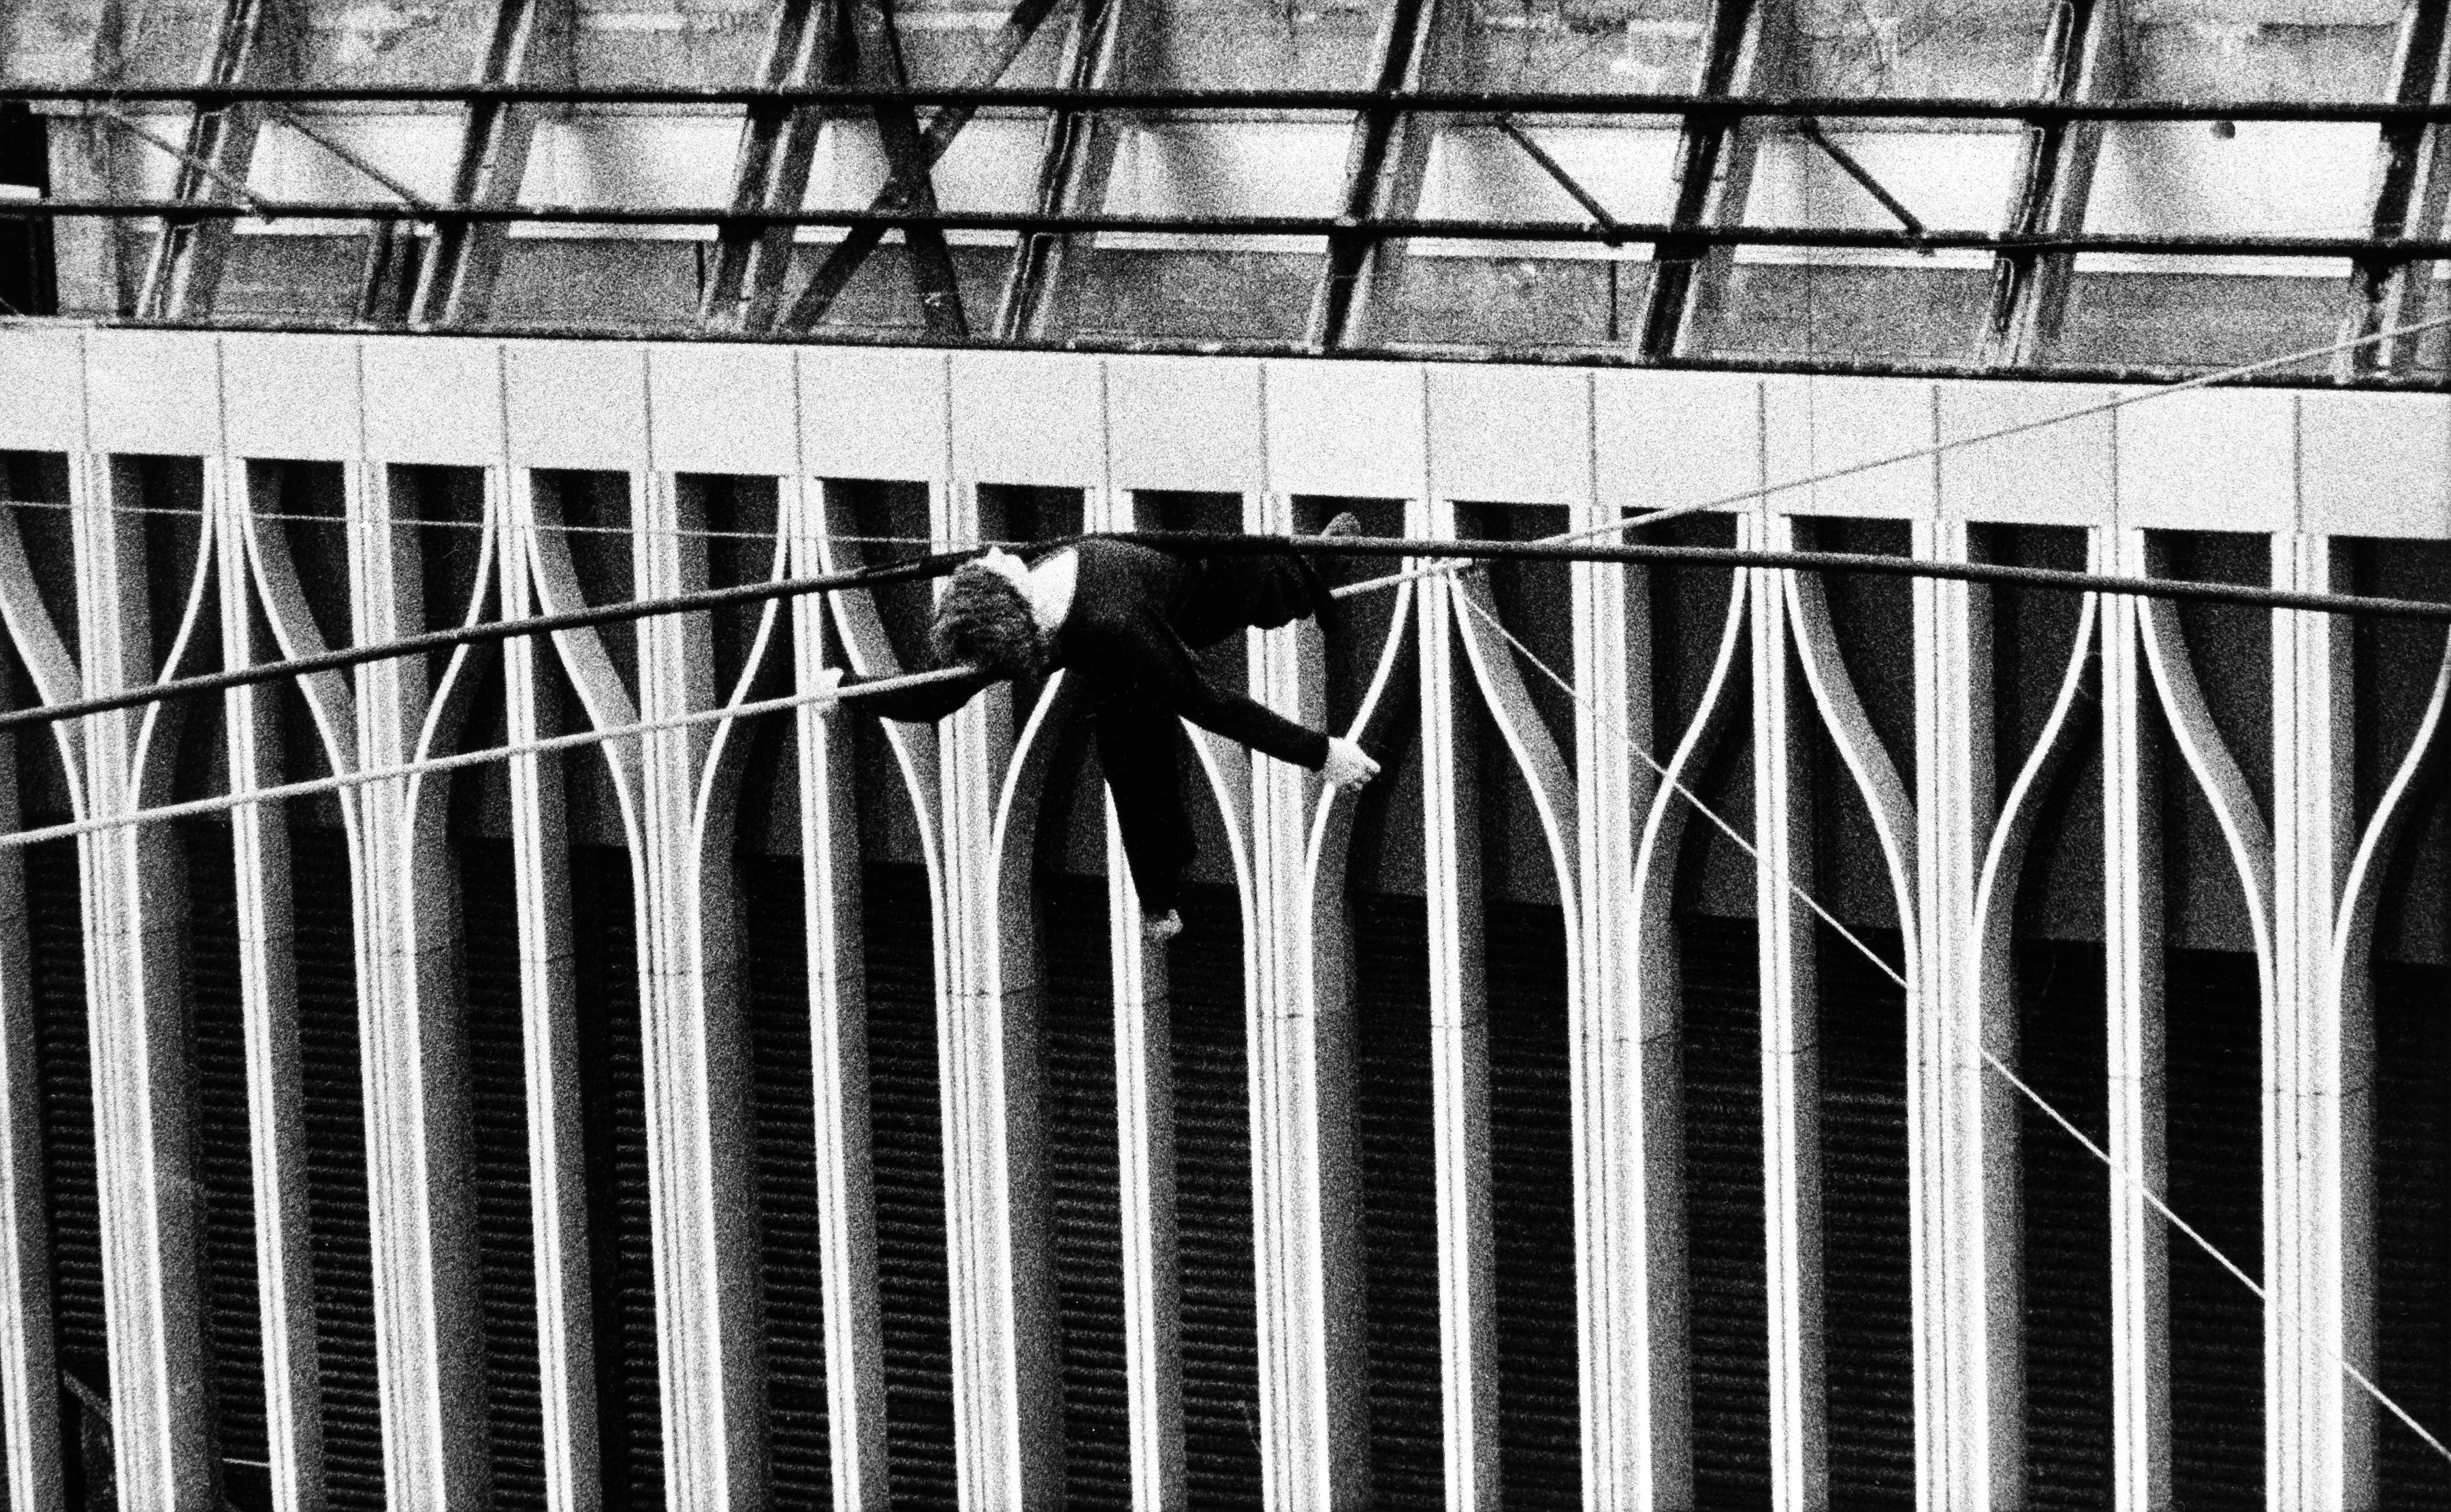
<point x="1125" y="618"/>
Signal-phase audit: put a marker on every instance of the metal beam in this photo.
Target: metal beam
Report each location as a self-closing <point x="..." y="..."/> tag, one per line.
<point x="881" y="219"/>
<point x="1714" y="159"/>
<point x="2054" y="179"/>
<point x="1377" y="143"/>
<point x="1073" y="167"/>
<point x="912" y="184"/>
<point x="185" y="274"/>
<point x="1702" y="106"/>
<point x="910" y="166"/>
<point x="2410" y="181"/>
<point x="778" y="143"/>
<point x="448" y="279"/>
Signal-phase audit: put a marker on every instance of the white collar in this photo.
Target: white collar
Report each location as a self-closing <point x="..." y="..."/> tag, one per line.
<point x="1051" y="585"/>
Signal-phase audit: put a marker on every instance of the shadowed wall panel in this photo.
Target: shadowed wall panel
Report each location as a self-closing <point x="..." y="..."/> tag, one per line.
<point x="2412" y="1140"/>
<point x="909" y="1153"/>
<point x="1082" y="1188"/>
<point x="2061" y="1032"/>
<point x="614" y="1121"/>
<point x="1721" y="1033"/>
<point x="1392" y="1100"/>
<point x="1212" y="1124"/>
<point x="57" y="930"/>
<point x="783" y="1123"/>
<point x="1531" y="1173"/>
<point x="217" y="1032"/>
<point x="506" y="1226"/>
<point x="336" y="1167"/>
<point x="1869" y="1320"/>
<point x="2216" y="1184"/>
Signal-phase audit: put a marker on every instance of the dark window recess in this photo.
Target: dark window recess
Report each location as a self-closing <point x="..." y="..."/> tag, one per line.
<point x="783" y="1135"/>
<point x="2061" y="1038"/>
<point x="1532" y="1184"/>
<point x="906" y="1155"/>
<point x="2213" y="1070"/>
<point x="1212" y="1175"/>
<point x="2412" y="1235"/>
<point x="1869" y="1332"/>
<point x="2067" y="1226"/>
<point x="613" y="1119"/>
<point x="1083" y="1189"/>
<point x="336" y="1217"/>
<point x="499" y="1156"/>
<point x="55" y="938"/>
<point x="27" y="285"/>
<point x="1399" y="1217"/>
<point x="224" y="1167"/>
<point x="1727" y="1287"/>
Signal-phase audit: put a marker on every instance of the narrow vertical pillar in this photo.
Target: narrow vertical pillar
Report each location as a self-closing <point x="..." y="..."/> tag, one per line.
<point x="285" y="1265"/>
<point x="1789" y="1042"/>
<point x="1146" y="1167"/>
<point x="704" y="1231"/>
<point x="2132" y="923"/>
<point x="830" y="876"/>
<point x="2323" y="1290"/>
<point x="548" y="1027"/>
<point x="1007" y="1401"/>
<point x="1145" y="1137"/>
<point x="1458" y="1030"/>
<point x="142" y="1120"/>
<point x="1964" y="1189"/>
<point x="417" y="1128"/>
<point x="1628" y="1074"/>
<point x="1303" y="1183"/>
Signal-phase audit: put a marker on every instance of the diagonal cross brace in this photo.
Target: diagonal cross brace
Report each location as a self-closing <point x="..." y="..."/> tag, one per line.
<point x="910" y="184"/>
<point x="911" y="151"/>
<point x="778" y="144"/>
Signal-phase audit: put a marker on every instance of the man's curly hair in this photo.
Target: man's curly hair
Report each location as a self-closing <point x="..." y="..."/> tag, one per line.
<point x="984" y="619"/>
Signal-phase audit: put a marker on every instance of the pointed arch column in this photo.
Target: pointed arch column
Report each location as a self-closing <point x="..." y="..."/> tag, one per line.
<point x="1459" y="1033"/>
<point x="133" y="895"/>
<point x="1007" y="1396"/>
<point x="548" y="1025"/>
<point x="2322" y="1059"/>
<point x="418" y="1118"/>
<point x="1964" y="1131"/>
<point x="1305" y="1177"/>
<point x="268" y="996"/>
<point x="2132" y="951"/>
<point x="830" y="876"/>
<point x="1791" y="1046"/>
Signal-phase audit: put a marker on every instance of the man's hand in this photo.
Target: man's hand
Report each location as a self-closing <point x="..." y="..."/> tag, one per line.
<point x="1348" y="766"/>
<point x="829" y="681"/>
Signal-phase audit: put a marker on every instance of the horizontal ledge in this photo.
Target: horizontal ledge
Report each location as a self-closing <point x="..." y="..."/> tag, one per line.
<point x="1670" y="241"/>
<point x="1568" y="356"/>
<point x="1445" y="102"/>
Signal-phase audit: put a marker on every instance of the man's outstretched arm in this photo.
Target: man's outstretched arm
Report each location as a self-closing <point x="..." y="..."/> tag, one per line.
<point x="924" y="705"/>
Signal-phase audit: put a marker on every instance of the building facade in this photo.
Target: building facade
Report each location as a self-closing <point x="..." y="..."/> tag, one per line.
<point x="1669" y="1085"/>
